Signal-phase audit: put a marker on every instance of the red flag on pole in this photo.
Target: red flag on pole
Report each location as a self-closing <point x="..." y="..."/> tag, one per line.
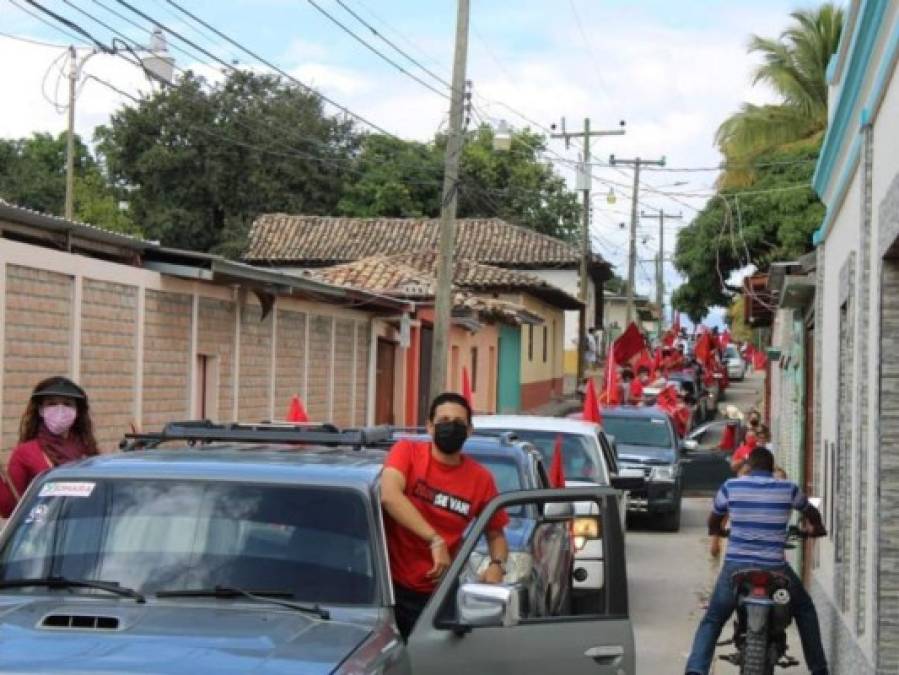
<point x="611" y="393"/>
<point x="729" y="437"/>
<point x="296" y="412"/>
<point x="759" y="360"/>
<point x="466" y="387"/>
<point x="591" y="404"/>
<point x="556" y="470"/>
<point x="629" y="344"/>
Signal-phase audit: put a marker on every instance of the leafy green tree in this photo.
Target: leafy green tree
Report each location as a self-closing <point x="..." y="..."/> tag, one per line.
<point x="404" y="179"/>
<point x="772" y="220"/>
<point x="202" y="164"/>
<point x="33" y="174"/>
<point x="794" y="66"/>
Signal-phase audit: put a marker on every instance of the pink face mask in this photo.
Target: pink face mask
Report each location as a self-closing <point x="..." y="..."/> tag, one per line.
<point x="58" y="418"/>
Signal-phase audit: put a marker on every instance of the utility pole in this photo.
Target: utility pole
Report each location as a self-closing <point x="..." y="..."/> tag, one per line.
<point x="632" y="249"/>
<point x="584" y="184"/>
<point x="70" y="137"/>
<point x="443" y="304"/>
<point x="660" y="264"/>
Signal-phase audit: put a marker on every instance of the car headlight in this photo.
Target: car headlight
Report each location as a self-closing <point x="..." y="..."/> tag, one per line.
<point x="584" y="529"/>
<point x="519" y="566"/>
<point x="663" y="474"/>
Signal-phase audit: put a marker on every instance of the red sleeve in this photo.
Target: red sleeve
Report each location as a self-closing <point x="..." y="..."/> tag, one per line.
<point x="20" y="471"/>
<point x="400" y="456"/>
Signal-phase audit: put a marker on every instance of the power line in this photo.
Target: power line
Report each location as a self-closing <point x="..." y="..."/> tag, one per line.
<point x="393" y="45"/>
<point x="22" y="38"/>
<point x="589" y="48"/>
<point x="38" y="17"/>
<point x="69" y="24"/>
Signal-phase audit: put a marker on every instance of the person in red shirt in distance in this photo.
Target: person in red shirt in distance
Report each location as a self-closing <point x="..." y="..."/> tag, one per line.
<point x="430" y="493"/>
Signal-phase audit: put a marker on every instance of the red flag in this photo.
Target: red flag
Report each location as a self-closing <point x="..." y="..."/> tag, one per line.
<point x="629" y="344"/>
<point x="466" y="387"/>
<point x="703" y="349"/>
<point x="556" y="470"/>
<point x="611" y="391"/>
<point x="729" y="437"/>
<point x="759" y="360"/>
<point x="667" y="399"/>
<point x="591" y="404"/>
<point x="656" y="363"/>
<point x="296" y="412"/>
<point x="675" y="326"/>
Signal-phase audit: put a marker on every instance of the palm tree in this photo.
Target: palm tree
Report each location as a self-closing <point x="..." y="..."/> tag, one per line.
<point x="794" y="65"/>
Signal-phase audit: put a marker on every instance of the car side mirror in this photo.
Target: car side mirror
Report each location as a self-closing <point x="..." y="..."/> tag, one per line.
<point x="558" y="511"/>
<point x="488" y="605"/>
<point x="688" y="445"/>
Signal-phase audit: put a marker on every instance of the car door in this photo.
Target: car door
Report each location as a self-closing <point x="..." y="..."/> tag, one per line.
<point x="706" y="467"/>
<point x="600" y="641"/>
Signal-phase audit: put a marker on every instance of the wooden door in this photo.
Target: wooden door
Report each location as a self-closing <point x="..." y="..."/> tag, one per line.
<point x="384" y="382"/>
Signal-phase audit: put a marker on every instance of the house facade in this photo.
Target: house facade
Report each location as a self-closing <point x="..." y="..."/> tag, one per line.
<point x="506" y="330"/>
<point x="156" y="335"/>
<point x="855" y="463"/>
<point x="297" y="243"/>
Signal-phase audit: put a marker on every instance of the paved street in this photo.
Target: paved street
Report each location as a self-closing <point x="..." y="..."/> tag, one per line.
<point x="670" y="575"/>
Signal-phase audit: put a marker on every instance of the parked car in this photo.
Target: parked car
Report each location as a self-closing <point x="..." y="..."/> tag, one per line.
<point x="736" y="365"/>
<point x="541" y="555"/>
<point x="588" y="457"/>
<point x="647" y="442"/>
<point x="706" y="466"/>
<point x="238" y="551"/>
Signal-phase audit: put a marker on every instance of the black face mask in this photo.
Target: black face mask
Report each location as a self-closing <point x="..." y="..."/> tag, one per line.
<point x="449" y="437"/>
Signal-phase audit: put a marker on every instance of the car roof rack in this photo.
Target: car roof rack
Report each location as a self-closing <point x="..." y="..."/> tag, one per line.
<point x="196" y="432"/>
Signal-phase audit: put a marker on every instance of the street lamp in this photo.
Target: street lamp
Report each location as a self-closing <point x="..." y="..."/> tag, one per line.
<point x="611" y="198"/>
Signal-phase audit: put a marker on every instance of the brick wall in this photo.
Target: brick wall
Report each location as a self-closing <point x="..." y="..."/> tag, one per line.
<point x="108" y="353"/>
<point x="343" y="365"/>
<point x="363" y="340"/>
<point x="38" y="338"/>
<point x="215" y="337"/>
<point x="255" y="364"/>
<point x="167" y="329"/>
<point x="289" y="375"/>
<point x="319" y="367"/>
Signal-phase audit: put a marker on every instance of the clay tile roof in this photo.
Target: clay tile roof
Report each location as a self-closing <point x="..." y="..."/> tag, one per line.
<point x="315" y="241"/>
<point x="413" y="275"/>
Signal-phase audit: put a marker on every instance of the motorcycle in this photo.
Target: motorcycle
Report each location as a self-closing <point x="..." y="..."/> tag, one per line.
<point x="762" y="618"/>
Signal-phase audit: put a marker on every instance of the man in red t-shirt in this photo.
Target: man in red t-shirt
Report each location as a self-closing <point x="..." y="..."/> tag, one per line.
<point x="431" y="492"/>
<point x="760" y="438"/>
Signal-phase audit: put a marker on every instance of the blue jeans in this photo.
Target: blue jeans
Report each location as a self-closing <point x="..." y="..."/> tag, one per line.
<point x="722" y="604"/>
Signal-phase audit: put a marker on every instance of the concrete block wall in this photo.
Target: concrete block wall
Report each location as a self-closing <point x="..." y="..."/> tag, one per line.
<point x="131" y="337"/>
<point x="108" y="353"/>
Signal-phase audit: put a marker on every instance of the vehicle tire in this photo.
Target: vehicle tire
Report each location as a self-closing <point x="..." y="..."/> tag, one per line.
<point x="755" y="655"/>
<point x="670" y="522"/>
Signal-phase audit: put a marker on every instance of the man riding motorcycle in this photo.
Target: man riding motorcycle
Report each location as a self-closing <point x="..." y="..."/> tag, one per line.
<point x="759" y="507"/>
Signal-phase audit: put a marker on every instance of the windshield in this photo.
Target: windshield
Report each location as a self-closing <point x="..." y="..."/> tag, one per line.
<point x="580" y="461"/>
<point x="650" y="432"/>
<point x="169" y="535"/>
<point x="505" y="474"/>
<point x="730" y="352"/>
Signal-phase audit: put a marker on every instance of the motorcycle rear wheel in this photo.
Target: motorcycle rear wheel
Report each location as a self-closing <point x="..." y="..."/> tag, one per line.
<point x="755" y="655"/>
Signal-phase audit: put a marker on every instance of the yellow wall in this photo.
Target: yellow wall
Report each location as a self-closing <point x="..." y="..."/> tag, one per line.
<point x="533" y="367"/>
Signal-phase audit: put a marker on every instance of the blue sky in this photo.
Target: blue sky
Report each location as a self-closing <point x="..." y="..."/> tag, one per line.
<point x="672" y="68"/>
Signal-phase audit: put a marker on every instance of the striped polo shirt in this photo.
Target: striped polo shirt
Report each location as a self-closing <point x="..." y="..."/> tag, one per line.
<point x="759" y="507"/>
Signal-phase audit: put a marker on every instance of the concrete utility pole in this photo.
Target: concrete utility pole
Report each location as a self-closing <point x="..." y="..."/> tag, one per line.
<point x="632" y="252"/>
<point x="443" y="304"/>
<point x="70" y="137"/>
<point x="584" y="184"/>
<point x="660" y="264"/>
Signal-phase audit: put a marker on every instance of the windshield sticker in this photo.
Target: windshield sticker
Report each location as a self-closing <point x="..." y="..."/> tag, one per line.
<point x="67" y="490"/>
<point x="38" y="514"/>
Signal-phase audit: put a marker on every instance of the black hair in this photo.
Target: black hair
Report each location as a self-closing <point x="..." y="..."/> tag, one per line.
<point x="761" y="459"/>
<point x="449" y="397"/>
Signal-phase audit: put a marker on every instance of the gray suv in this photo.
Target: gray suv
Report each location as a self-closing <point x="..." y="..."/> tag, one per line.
<point x="263" y="551"/>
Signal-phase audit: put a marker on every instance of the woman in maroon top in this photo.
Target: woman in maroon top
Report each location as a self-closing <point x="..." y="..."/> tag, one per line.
<point x="56" y="428"/>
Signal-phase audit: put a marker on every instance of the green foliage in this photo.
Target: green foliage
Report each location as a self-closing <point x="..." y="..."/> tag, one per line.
<point x="401" y="179"/>
<point x="794" y="66"/>
<point x="757" y="225"/>
<point x="203" y="164"/>
<point x="739" y="329"/>
<point x="33" y="174"/>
